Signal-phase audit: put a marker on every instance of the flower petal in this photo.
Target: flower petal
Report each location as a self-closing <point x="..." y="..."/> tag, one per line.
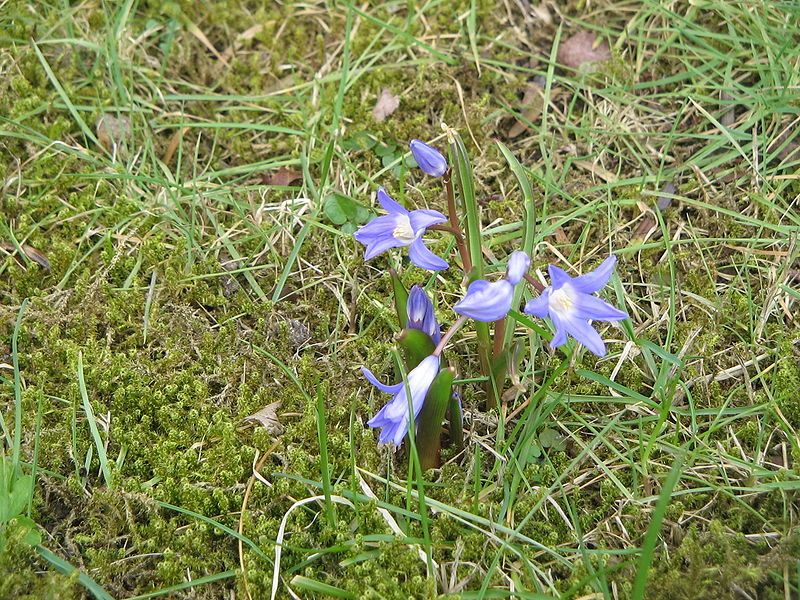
<point x="429" y="159"/>
<point x="388" y="389"/>
<point x="419" y="380"/>
<point x="421" y="314"/>
<point x="597" y="279"/>
<point x="518" y="264"/>
<point x="486" y="301"/>
<point x="560" y="337"/>
<point x="377" y="228"/>
<point x="538" y="307"/>
<point x="423" y="218"/>
<point x="378" y="235"/>
<point x="590" y="307"/>
<point x="388" y="203"/>
<point x="424" y="258"/>
<point x="586" y="335"/>
<point x="558" y="276"/>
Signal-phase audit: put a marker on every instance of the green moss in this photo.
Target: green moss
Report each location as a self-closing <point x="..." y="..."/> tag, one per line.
<point x="171" y="404"/>
<point x="718" y="563"/>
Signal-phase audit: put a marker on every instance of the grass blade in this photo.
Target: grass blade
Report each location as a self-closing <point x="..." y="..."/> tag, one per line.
<point x="87" y="408"/>
<point x="318" y="587"/>
<point x="651" y="537"/>
<point x="324" y="467"/>
<point x="17" y="389"/>
<point x="66" y="568"/>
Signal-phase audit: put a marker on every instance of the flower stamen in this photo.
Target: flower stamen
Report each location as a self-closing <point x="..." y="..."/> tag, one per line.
<point x="403" y="232"/>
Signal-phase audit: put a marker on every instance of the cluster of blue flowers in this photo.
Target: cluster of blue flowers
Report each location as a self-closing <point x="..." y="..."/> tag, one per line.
<point x="568" y="301"/>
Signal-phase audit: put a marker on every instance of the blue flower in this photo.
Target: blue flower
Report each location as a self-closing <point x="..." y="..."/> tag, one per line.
<point x="401" y="228"/>
<point x="518" y="264"/>
<point x="421" y="315"/>
<point x="393" y="417"/>
<point x="429" y="159"/>
<point x="491" y="301"/>
<point x="570" y="305"/>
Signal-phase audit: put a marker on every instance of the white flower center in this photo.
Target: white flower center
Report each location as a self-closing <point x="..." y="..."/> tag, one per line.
<point x="402" y="230"/>
<point x="562" y="300"/>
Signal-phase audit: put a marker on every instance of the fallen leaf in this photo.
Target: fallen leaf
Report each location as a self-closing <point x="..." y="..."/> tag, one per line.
<point x="30" y="252"/>
<point x="561" y="235"/>
<point x="728" y="118"/>
<point x="648" y="225"/>
<point x="665" y="199"/>
<point x="245" y="36"/>
<point x="197" y="32"/>
<point x="112" y="131"/>
<point x="581" y="49"/>
<point x="542" y="13"/>
<point x="533" y="101"/>
<point x="283" y="176"/>
<point x="268" y="417"/>
<point x="174" y="142"/>
<point x="387" y="103"/>
<point x="596" y="170"/>
<point x="299" y="334"/>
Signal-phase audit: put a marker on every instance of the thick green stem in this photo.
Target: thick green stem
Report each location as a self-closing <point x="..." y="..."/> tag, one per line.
<point x="463" y="173"/>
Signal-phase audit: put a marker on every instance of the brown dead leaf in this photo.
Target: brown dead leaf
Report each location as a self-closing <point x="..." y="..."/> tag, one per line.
<point x="596" y="170"/>
<point x="561" y="235"/>
<point x="582" y="49"/>
<point x="243" y="37"/>
<point x="533" y="101"/>
<point x="174" y="142"/>
<point x="541" y="12"/>
<point x="387" y="103"/>
<point x="665" y="200"/>
<point x="728" y="118"/>
<point x="29" y="251"/>
<point x="648" y="226"/>
<point x="268" y="417"/>
<point x="112" y="132"/>
<point x="283" y="176"/>
<point x="201" y="37"/>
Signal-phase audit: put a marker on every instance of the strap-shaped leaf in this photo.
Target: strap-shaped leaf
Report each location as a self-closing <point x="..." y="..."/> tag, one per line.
<point x="429" y="423"/>
<point x="400" y="298"/>
<point x="416" y="345"/>
<point x="455" y="417"/>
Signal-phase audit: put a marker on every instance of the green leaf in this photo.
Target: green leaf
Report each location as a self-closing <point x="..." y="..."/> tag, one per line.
<point x="400" y="298"/>
<point x="66" y="568"/>
<point x="19" y="493"/>
<point x="416" y="345"/>
<point x="28" y="531"/>
<point x="550" y="438"/>
<point x="456" y="419"/>
<point x="105" y="467"/>
<point x="318" y="587"/>
<point x="384" y="150"/>
<point x="534" y="451"/>
<point x="341" y="209"/>
<point x="360" y="141"/>
<point x="15" y="489"/>
<point x="429" y="430"/>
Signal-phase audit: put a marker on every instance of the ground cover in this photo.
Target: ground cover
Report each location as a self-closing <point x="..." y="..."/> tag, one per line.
<point x="173" y="262"/>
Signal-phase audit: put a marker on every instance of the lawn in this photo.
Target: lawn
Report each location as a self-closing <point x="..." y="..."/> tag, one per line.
<point x="184" y="309"/>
